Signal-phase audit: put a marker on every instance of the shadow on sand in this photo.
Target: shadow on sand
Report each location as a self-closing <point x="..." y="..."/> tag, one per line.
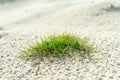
<point x="7" y="1"/>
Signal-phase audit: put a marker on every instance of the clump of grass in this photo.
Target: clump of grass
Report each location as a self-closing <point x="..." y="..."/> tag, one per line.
<point x="59" y="46"/>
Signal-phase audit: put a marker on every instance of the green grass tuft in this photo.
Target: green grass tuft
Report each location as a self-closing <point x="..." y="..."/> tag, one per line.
<point x="59" y="46"/>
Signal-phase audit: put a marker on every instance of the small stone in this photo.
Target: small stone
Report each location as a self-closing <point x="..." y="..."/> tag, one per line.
<point x="100" y="79"/>
<point x="1" y="68"/>
<point x="119" y="76"/>
<point x="77" y="69"/>
<point x="67" y="69"/>
<point x="111" y="77"/>
<point x="103" y="75"/>
<point x="2" y="56"/>
<point x="118" y="64"/>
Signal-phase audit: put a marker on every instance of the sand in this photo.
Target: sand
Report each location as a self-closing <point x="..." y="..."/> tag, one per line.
<point x="27" y="21"/>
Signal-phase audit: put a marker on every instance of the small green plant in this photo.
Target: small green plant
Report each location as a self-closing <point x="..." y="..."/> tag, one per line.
<point x="59" y="46"/>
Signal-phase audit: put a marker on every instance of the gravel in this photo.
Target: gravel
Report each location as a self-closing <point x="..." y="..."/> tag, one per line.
<point x="101" y="26"/>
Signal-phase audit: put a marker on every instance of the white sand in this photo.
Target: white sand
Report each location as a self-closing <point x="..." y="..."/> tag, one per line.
<point x="25" y="22"/>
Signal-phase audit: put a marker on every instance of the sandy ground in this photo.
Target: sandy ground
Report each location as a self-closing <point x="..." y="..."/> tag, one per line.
<point x="26" y="21"/>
